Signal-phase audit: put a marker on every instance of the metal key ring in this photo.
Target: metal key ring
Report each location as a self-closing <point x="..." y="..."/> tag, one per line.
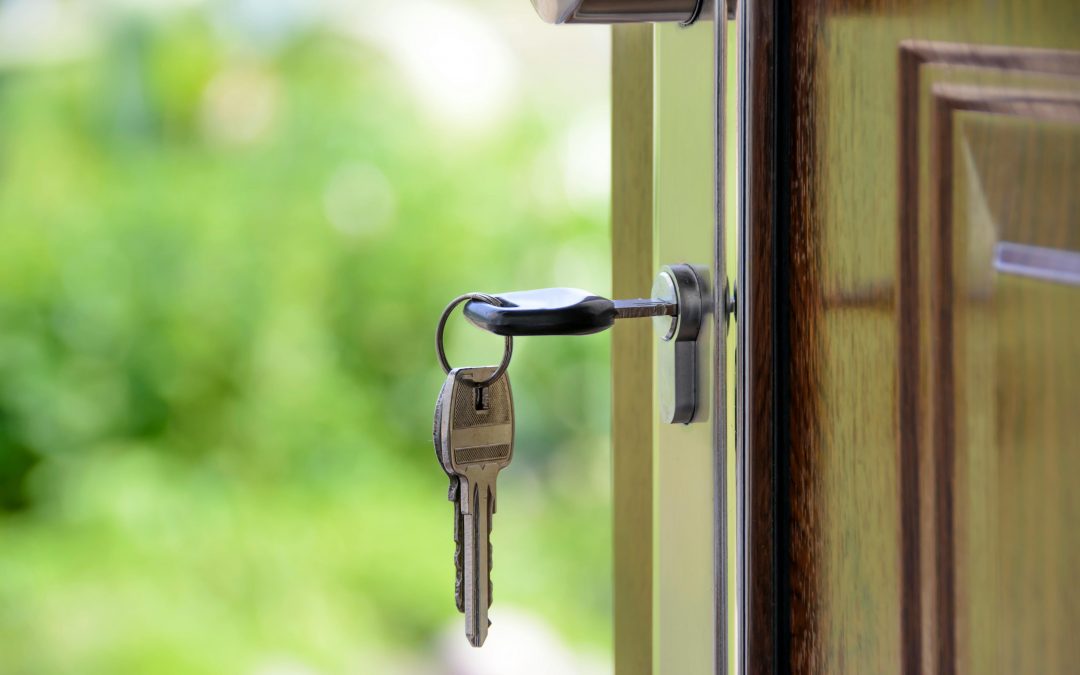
<point x="508" y="351"/>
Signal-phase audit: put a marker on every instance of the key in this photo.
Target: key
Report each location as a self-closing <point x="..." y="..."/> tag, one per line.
<point x="452" y="496"/>
<point x="476" y="442"/>
<point x="459" y="557"/>
<point x="560" y="311"/>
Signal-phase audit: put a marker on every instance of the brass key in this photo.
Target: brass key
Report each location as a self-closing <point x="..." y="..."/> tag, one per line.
<point x="475" y="441"/>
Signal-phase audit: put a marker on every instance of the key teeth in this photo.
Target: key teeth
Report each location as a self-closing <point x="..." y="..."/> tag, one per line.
<point x="459" y="561"/>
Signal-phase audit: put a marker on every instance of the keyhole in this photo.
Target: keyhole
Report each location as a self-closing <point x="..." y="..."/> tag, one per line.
<point x="480" y="398"/>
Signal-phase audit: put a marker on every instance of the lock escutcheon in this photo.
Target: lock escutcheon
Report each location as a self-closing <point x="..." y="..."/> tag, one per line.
<point x="676" y="353"/>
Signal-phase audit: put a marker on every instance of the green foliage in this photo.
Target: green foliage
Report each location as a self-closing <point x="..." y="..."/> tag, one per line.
<point x="215" y="405"/>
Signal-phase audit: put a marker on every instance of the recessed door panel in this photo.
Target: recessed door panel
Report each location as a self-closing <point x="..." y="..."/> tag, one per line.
<point x="1006" y="374"/>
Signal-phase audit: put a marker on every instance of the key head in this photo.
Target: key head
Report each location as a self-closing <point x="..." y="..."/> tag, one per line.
<point x="547" y="311"/>
<point x="476" y="424"/>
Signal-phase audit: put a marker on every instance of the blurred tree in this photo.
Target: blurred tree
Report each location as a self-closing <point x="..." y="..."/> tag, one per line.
<point x="220" y="264"/>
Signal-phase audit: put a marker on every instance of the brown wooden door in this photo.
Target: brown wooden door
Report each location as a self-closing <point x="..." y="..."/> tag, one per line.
<point x="910" y="335"/>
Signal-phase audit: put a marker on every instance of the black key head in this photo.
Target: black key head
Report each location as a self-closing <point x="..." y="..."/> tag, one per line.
<point x="547" y="311"/>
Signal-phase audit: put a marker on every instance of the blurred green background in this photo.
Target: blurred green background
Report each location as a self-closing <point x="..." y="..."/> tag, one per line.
<point x="226" y="232"/>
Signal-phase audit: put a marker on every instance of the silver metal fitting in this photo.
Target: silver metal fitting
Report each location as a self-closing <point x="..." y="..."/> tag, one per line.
<point x="622" y="11"/>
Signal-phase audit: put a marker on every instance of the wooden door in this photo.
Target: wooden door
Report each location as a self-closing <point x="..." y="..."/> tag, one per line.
<point x="910" y="335"/>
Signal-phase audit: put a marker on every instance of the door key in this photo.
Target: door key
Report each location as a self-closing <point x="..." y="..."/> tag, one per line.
<point x="452" y="494"/>
<point x="474" y="415"/>
<point x="475" y="441"/>
<point x="682" y="298"/>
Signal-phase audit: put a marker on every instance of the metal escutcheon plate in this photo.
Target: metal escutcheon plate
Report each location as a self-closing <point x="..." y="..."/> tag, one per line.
<point x="676" y="355"/>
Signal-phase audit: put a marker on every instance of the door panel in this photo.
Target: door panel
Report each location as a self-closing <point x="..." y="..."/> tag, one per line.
<point x="952" y="96"/>
<point x="1006" y="364"/>
<point x="910" y="352"/>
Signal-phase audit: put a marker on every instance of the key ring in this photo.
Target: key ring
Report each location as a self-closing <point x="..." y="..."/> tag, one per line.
<point x="508" y="351"/>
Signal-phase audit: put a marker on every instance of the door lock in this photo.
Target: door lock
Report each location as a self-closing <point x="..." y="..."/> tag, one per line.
<point x="676" y="355"/>
<point x="680" y="302"/>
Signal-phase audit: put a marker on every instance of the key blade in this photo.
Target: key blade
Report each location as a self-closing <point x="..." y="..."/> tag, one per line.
<point x="477" y="561"/>
<point x="640" y="308"/>
<point x="459" y="553"/>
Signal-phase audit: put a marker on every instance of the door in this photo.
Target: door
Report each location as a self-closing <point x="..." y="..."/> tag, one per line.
<point x="904" y="491"/>
<point x="911" y="371"/>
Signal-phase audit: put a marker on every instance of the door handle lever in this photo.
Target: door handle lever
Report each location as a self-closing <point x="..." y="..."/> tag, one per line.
<point x="621" y="11"/>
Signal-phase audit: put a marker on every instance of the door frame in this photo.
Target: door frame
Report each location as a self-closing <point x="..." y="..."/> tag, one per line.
<point x="650" y="64"/>
<point x="631" y="345"/>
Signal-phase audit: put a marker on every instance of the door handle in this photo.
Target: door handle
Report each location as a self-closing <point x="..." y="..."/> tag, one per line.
<point x="621" y="11"/>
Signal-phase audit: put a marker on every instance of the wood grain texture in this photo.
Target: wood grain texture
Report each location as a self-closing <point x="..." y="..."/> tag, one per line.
<point x="632" y="267"/>
<point x="756" y="319"/>
<point x="853" y="476"/>
<point x="925" y="500"/>
<point x="1011" y="606"/>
